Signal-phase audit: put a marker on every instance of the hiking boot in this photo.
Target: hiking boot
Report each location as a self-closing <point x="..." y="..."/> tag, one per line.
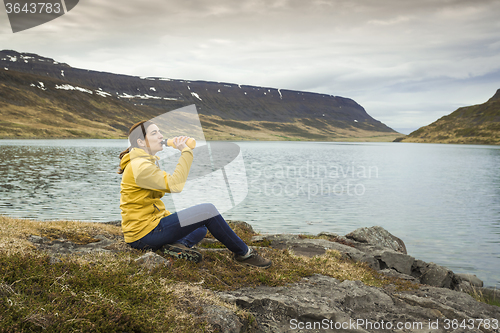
<point x="254" y="260"/>
<point x="180" y="251"/>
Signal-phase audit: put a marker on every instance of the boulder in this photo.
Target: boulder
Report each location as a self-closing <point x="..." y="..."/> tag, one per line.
<point x="311" y="247"/>
<point x="395" y="260"/>
<point x="241" y="224"/>
<point x="378" y="236"/>
<point x="433" y="275"/>
<point x="321" y="300"/>
<point x="471" y="278"/>
<point x="380" y="250"/>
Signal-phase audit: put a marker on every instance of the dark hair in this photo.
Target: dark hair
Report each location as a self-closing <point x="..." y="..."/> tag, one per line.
<point x="136" y="132"/>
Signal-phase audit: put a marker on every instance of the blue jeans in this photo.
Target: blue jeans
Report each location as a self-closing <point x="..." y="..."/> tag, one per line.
<point x="200" y="217"/>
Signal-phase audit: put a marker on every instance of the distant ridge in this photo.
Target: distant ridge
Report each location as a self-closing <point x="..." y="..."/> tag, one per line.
<point x="40" y="97"/>
<point x="476" y="124"/>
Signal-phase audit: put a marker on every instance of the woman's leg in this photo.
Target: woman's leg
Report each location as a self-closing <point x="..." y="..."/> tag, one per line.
<point x="193" y="238"/>
<point x="169" y="230"/>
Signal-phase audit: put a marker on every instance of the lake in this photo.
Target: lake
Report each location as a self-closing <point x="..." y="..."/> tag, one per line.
<point x="443" y="201"/>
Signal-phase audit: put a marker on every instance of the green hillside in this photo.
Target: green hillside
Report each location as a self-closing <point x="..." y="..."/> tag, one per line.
<point x="476" y="124"/>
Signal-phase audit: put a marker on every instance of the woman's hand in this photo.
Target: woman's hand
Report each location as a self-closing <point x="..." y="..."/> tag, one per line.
<point x="180" y="142"/>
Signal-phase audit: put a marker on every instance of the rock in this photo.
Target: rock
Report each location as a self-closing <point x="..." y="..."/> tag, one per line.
<point x="276" y="307"/>
<point x="378" y="236"/>
<point x="324" y="300"/>
<point x="223" y="319"/>
<point x="380" y="250"/>
<point x="395" y="260"/>
<point x="258" y="238"/>
<point x="464" y="286"/>
<point x="241" y="224"/>
<point x="394" y="273"/>
<point x="64" y="246"/>
<point x="454" y="304"/>
<point x="471" y="278"/>
<point x="432" y="274"/>
<point x="311" y="247"/>
<point x="96" y="246"/>
<point x="467" y="330"/>
<point x="152" y="260"/>
<point x="328" y="234"/>
<point x="36" y="239"/>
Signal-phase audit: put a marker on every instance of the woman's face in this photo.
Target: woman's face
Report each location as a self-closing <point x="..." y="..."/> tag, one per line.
<point x="154" y="138"/>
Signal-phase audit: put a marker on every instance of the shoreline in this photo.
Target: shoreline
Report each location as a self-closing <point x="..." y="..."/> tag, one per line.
<point x="85" y="270"/>
<point x="381" y="138"/>
<point x="117" y="223"/>
<point x="375" y="139"/>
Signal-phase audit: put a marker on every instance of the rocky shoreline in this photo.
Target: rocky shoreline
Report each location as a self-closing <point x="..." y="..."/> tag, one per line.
<point x="439" y="302"/>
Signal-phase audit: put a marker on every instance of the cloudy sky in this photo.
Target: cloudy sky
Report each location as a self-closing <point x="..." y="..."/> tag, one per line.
<point x="406" y="62"/>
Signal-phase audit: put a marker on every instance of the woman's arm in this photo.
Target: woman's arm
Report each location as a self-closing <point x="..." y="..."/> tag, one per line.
<point x="148" y="175"/>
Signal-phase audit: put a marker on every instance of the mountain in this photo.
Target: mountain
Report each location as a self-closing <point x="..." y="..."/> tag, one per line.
<point x="40" y="97"/>
<point x="476" y="124"/>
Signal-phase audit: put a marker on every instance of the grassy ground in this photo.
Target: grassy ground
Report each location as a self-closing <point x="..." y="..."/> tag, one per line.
<point x="109" y="292"/>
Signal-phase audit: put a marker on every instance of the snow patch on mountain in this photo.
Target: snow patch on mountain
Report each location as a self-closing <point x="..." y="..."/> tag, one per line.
<point x="145" y="96"/>
<point x="102" y="93"/>
<point x="70" y="87"/>
<point x="40" y="85"/>
<point x="196" y="95"/>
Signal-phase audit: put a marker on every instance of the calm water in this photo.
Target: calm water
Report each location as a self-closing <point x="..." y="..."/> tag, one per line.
<point x="442" y="200"/>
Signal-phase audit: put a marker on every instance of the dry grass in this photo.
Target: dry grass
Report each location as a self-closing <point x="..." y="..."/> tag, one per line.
<point x="215" y="128"/>
<point x="110" y="292"/>
<point x="490" y="298"/>
<point x="14" y="232"/>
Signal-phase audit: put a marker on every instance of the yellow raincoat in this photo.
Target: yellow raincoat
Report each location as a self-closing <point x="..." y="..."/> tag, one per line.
<point x="143" y="184"/>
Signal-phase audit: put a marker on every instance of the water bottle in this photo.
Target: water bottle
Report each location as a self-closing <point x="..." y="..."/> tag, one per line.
<point x="191" y="143"/>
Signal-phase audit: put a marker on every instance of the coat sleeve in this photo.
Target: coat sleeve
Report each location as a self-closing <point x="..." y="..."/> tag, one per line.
<point x="148" y="175"/>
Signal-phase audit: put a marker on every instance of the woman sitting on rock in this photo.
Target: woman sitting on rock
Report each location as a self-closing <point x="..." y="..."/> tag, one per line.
<point x="146" y="224"/>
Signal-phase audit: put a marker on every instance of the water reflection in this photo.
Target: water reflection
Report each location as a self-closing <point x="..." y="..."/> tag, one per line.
<point x="57" y="181"/>
<point x="442" y="200"/>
